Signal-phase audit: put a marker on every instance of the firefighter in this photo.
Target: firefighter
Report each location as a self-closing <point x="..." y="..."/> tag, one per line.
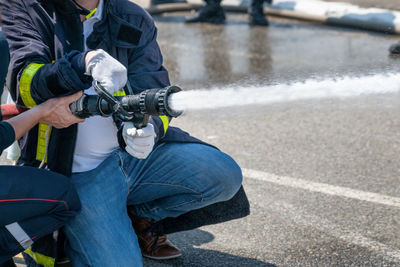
<point x="33" y="202"/>
<point x="161" y="172"/>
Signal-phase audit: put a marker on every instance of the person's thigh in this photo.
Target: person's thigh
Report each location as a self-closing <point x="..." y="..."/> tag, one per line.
<point x="33" y="203"/>
<point x="102" y="234"/>
<point x="27" y="192"/>
<point x="179" y="177"/>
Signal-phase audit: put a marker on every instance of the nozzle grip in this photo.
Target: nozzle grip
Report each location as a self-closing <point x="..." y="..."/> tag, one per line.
<point x="141" y="121"/>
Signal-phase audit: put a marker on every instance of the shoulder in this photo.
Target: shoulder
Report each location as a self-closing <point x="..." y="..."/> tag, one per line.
<point x="132" y="13"/>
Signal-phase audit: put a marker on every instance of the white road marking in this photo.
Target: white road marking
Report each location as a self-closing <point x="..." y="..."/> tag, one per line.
<point x="323" y="188"/>
<point x="341" y="232"/>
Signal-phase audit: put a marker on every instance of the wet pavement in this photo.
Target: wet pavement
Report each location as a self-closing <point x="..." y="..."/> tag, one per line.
<point x="203" y="55"/>
<point x="349" y="143"/>
<point x="387" y="4"/>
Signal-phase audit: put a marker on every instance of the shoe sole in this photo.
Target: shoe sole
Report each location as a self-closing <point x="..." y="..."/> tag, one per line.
<point x="163" y="258"/>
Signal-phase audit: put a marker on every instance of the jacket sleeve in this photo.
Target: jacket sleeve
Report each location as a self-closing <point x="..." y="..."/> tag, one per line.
<point x="146" y="71"/>
<point x="34" y="76"/>
<point x="7" y="135"/>
<point x="5" y="58"/>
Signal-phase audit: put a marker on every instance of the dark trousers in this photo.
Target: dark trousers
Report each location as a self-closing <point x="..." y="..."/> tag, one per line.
<point x="33" y="203"/>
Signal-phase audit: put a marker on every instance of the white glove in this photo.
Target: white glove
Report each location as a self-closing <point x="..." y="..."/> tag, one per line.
<point x="139" y="143"/>
<point x="105" y="69"/>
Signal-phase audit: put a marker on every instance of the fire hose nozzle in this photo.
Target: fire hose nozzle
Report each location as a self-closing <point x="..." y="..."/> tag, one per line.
<point x="149" y="102"/>
<point x="152" y="102"/>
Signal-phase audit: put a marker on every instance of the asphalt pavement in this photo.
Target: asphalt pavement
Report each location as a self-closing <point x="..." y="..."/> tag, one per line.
<point x="322" y="176"/>
<point x="387" y="4"/>
<point x="309" y="166"/>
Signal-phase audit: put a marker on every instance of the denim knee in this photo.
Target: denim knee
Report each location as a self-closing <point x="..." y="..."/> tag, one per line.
<point x="226" y="177"/>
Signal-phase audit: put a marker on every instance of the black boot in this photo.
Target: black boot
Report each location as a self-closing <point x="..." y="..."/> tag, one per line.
<point x="256" y="13"/>
<point x="212" y="12"/>
<point x="395" y="49"/>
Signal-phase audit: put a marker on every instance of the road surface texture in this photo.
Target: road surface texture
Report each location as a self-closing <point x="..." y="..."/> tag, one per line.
<point x="388" y="4"/>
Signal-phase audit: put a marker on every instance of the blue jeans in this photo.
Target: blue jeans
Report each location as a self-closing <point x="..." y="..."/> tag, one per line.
<point x="174" y="179"/>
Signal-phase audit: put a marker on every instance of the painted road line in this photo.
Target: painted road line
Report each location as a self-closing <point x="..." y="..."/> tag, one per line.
<point x="342" y="232"/>
<point x="323" y="188"/>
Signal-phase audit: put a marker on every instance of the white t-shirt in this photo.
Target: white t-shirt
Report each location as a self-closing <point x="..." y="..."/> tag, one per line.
<point x="97" y="136"/>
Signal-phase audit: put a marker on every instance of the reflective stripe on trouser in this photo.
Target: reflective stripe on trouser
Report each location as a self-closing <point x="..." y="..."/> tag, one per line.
<point x="19" y="234"/>
<point x="41" y="259"/>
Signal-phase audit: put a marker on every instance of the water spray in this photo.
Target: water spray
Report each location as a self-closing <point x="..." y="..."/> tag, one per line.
<point x="344" y="87"/>
<point x="172" y="101"/>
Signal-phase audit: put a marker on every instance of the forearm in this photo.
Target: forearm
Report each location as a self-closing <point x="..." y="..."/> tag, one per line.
<point x="63" y="77"/>
<point x="25" y="121"/>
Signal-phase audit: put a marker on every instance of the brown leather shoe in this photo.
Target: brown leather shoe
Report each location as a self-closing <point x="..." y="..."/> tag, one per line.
<point x="153" y="243"/>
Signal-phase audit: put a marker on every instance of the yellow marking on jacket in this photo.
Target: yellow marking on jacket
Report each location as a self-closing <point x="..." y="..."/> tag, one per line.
<point x="25" y="84"/>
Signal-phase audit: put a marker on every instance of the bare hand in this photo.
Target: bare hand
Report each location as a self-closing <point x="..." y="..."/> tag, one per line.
<point x="57" y="113"/>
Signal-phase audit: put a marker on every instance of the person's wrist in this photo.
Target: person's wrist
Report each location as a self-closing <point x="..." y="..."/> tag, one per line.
<point x="89" y="55"/>
<point x="38" y="112"/>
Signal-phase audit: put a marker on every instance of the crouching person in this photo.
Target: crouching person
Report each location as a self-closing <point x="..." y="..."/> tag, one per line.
<point x="156" y="172"/>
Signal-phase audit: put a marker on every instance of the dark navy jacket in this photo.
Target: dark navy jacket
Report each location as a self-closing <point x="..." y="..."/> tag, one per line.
<point x="4" y="60"/>
<point x="7" y="135"/>
<point x="39" y="31"/>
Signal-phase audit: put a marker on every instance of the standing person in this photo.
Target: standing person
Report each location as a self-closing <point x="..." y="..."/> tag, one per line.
<point x="213" y="12"/>
<point x="159" y="171"/>
<point x="33" y="202"/>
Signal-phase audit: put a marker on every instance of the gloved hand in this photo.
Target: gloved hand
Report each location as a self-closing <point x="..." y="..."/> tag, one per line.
<point x="105" y="69"/>
<point x="139" y="142"/>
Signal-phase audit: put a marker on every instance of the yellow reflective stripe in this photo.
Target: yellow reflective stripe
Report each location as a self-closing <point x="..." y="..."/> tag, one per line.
<point x="120" y="93"/>
<point x="25" y="84"/>
<point x="42" y="141"/>
<point x="88" y="16"/>
<point x="41" y="259"/>
<point x="165" y="122"/>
